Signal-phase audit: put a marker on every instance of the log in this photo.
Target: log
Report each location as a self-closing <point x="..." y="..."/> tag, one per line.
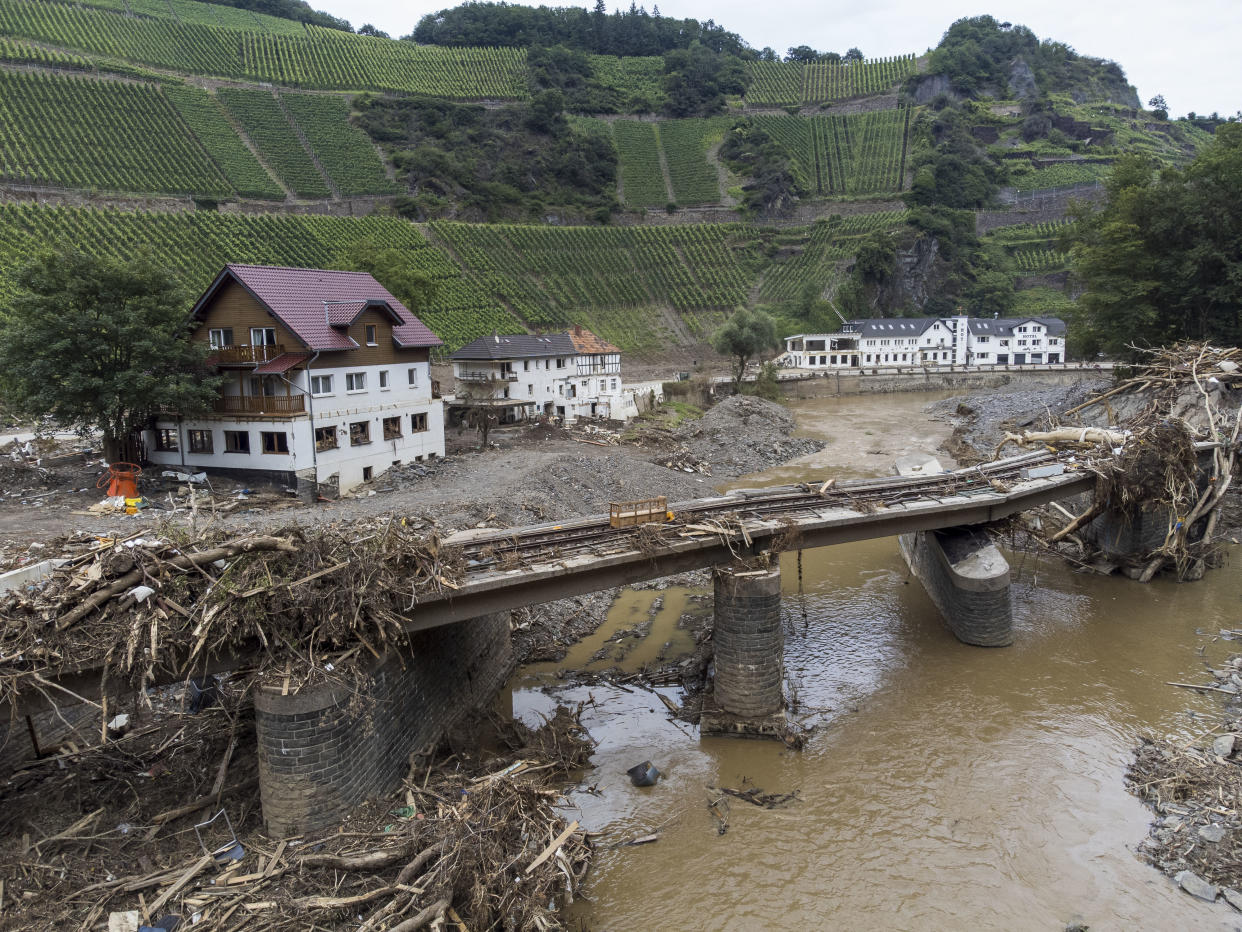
<point x="1095" y="509"/>
<point x="131" y="579"/>
<point x="340" y="902"/>
<point x="411" y="870"/>
<point x="203" y="802"/>
<point x="434" y="911"/>
<point x="1085" y="435"/>
<point x="368" y="861"/>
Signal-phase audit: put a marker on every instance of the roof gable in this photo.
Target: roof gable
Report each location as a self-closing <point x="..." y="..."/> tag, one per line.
<point x="517" y="346"/>
<point x="313" y="303"/>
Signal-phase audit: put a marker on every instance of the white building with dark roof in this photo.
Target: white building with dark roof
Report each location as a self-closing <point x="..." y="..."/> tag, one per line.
<point x="569" y="375"/>
<point x="326" y="377"/>
<point x="930" y="341"/>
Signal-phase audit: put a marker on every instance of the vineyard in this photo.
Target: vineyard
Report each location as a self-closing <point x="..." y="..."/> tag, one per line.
<point x="1059" y="175"/>
<point x="311" y="57"/>
<point x="203" y="14"/>
<point x="345" y="152"/>
<point x="638" y="153"/>
<point x="611" y="279"/>
<point x="264" y="121"/>
<point x="202" y="113"/>
<point x="197" y="245"/>
<point x="1034" y="246"/>
<point x="634" y="79"/>
<point x="785" y="84"/>
<point x="685" y="142"/>
<point x="83" y="133"/>
<point x="818" y="256"/>
<point x="855" y="154"/>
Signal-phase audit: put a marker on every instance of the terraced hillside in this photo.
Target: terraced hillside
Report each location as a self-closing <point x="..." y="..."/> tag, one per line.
<point x="784" y="84"/>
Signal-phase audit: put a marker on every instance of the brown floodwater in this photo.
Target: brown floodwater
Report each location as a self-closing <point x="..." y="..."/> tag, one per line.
<point x="944" y="786"/>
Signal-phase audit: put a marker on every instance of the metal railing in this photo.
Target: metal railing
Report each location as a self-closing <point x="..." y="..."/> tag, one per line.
<point x="487" y="376"/>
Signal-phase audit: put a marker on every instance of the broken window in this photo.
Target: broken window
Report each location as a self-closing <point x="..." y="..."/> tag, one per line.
<point x="237" y="441"/>
<point x="200" y="441"/>
<point x="359" y="433"/>
<point x="418" y="422"/>
<point x="274" y="441"/>
<point x="325" y="438"/>
<point x="392" y="428"/>
<point x="166" y="439"/>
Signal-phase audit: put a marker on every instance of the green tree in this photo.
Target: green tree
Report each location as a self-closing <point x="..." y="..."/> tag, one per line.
<point x="744" y="335"/>
<point x="392" y="268"/>
<point x="100" y="344"/>
<point x="1162" y="260"/>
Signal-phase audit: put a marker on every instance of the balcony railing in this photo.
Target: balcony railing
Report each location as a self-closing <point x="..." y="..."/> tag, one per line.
<point x="240" y="354"/>
<point x="487" y="376"/>
<point x="270" y="405"/>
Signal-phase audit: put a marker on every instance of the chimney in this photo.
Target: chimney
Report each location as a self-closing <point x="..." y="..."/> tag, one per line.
<point x="577" y="330"/>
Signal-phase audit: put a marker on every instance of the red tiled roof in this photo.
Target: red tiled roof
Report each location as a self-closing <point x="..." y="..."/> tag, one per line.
<point x="278" y="365"/>
<point x="296" y="297"/>
<point x="586" y="342"/>
<point x="345" y="313"/>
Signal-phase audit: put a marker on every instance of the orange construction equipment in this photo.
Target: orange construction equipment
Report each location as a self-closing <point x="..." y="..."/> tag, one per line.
<point x="122" y="479"/>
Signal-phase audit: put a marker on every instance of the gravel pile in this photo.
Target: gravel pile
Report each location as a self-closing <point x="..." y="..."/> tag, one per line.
<point x="743" y="434"/>
<point x="980" y="419"/>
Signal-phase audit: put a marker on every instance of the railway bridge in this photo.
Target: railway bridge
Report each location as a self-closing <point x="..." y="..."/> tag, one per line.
<point x="320" y="753"/>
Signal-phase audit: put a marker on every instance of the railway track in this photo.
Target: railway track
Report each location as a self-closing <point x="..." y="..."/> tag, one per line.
<point x="501" y="548"/>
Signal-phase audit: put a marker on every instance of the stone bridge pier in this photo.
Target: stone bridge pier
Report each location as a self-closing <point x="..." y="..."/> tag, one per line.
<point x="326" y="748"/>
<point x="746" y="697"/>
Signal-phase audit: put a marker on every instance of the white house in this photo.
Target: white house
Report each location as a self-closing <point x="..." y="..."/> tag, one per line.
<point x="570" y="375"/>
<point x="930" y="341"/>
<point x="327" y="375"/>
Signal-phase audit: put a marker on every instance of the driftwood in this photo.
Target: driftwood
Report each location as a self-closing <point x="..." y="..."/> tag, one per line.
<point x="133" y="578"/>
<point x="367" y="861"/>
<point x="1086" y="436"/>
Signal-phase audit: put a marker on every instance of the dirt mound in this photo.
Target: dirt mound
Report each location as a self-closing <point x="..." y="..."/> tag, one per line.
<point x="744" y="434"/>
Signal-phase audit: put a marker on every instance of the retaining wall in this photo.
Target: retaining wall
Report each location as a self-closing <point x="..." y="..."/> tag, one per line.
<point x="325" y="749"/>
<point x="854" y="383"/>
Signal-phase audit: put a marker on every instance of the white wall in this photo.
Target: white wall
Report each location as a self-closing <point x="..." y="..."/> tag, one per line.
<point x="337" y="408"/>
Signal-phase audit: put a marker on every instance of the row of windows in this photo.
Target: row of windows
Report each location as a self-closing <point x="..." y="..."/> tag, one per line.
<point x="357" y="382"/>
<point x="277" y="441"/>
<point x="266" y="336"/>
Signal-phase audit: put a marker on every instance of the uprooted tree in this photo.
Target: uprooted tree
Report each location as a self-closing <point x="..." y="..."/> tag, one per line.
<point x="100" y="344"/>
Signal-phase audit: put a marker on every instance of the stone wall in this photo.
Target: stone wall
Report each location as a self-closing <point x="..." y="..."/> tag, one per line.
<point x="325" y="749"/>
<point x="853" y="383"/>
<point x="749" y="642"/>
<point x="975" y="605"/>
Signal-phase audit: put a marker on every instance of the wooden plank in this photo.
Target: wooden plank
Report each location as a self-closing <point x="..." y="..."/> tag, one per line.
<point x="552" y="848"/>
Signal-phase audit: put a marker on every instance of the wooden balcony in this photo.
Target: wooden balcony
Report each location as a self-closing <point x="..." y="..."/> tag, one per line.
<point x="261" y="405"/>
<point x="241" y="354"/>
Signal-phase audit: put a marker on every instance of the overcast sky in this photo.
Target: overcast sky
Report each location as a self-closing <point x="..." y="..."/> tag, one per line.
<point x="1187" y="51"/>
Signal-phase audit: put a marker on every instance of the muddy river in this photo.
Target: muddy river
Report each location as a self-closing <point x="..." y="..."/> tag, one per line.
<point x="944" y="786"/>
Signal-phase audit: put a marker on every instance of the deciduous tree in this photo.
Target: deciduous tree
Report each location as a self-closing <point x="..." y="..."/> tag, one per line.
<point x="99" y="344"/>
<point x="744" y="335"/>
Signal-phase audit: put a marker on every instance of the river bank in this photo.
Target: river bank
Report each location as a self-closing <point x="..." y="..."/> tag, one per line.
<point x="943" y="786"/>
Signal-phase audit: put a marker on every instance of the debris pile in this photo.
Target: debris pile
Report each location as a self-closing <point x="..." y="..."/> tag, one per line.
<point x="148" y="609"/>
<point x="134" y="827"/>
<point x="1147" y="463"/>
<point x="744" y="434"/>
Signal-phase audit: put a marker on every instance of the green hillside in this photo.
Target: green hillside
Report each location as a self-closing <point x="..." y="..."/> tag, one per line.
<point x="521" y="159"/>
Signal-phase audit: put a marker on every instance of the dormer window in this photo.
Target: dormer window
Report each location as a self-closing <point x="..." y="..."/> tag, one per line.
<point x="371" y="335"/>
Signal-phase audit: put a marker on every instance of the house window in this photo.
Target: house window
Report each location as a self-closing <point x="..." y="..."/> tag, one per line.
<point x="355" y="381"/>
<point x="237" y="441"/>
<point x="530" y="390"/>
<point x="383" y="377"/>
<point x="412" y="375"/>
<point x="359" y="433"/>
<point x="368" y="472"/>
<point x="200" y="441"/>
<point x="166" y="440"/>
<point x="392" y="428"/>
<point x="526" y="365"/>
<point x="418" y="422"/>
<point x="221" y="337"/>
<point x="602" y="385"/>
<point x="560" y="364"/>
<point x="371" y="341"/>
<point x="321" y="385"/>
<point x="325" y="438"/>
<point x="262" y="336"/>
<point x="274" y="441"/>
<point x="613" y="386"/>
